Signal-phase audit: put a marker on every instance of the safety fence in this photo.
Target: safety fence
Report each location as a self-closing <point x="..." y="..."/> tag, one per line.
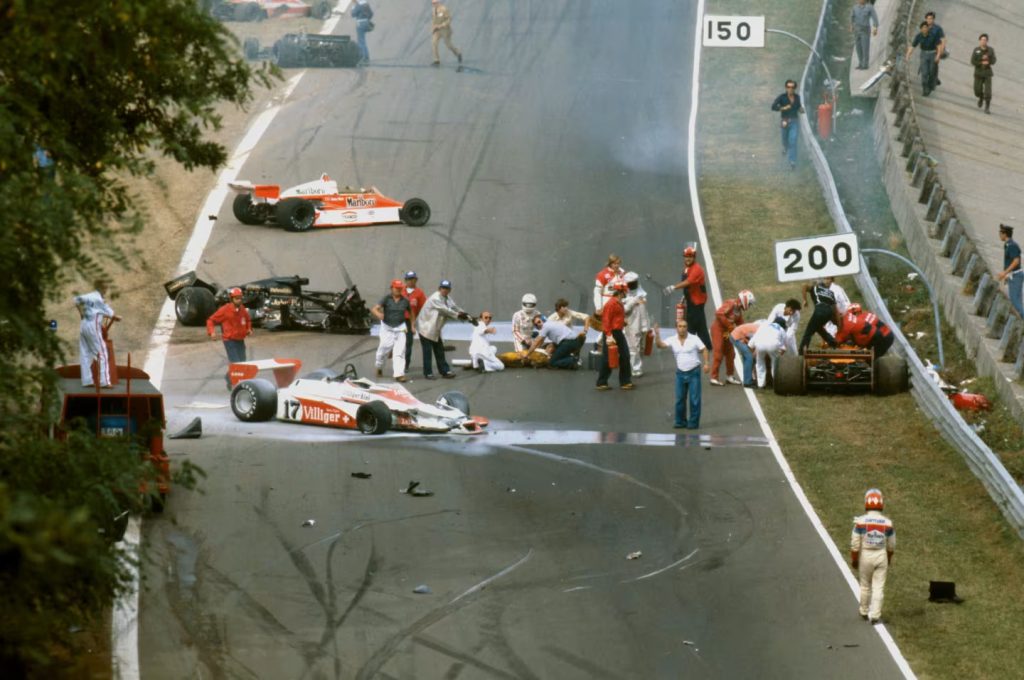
<point x="930" y="398"/>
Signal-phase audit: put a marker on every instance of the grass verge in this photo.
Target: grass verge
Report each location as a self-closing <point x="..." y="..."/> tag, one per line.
<point x="949" y="528"/>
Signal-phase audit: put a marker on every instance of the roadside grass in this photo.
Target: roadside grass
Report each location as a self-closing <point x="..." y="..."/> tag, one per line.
<point x="838" y="446"/>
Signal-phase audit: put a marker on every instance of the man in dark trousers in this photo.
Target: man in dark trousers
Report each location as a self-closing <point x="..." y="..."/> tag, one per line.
<point x="790" y="107"/>
<point x="1011" y="273"/>
<point x="695" y="294"/>
<point x="931" y="40"/>
<point x="824" y="309"/>
<point x="613" y="320"/>
<point x="235" y="325"/>
<point x="982" y="59"/>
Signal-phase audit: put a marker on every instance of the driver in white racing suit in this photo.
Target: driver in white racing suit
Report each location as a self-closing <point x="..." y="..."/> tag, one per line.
<point x="96" y="315"/>
<point x="767" y="344"/>
<point x="872" y="545"/>
<point x="522" y="323"/>
<point x="638" y="322"/>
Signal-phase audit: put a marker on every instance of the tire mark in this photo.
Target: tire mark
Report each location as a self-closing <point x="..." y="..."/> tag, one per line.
<point x="494" y="632"/>
<point x="462" y="659"/>
<point x="383" y="654"/>
<point x="591" y="669"/>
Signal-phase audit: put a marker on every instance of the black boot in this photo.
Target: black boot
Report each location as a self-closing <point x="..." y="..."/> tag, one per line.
<point x="987" y="103"/>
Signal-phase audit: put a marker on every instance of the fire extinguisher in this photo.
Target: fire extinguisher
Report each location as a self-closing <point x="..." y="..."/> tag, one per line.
<point x="825" y="117"/>
<point x="613" y="354"/>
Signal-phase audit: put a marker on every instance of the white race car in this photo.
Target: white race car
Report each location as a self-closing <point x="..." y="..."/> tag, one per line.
<point x="347" y="401"/>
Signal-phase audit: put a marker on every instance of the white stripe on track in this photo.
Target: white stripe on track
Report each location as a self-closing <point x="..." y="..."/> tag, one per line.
<point x="755" y="406"/>
<point x="124" y="629"/>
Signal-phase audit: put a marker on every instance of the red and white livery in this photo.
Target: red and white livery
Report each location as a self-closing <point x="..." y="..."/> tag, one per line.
<point x="321" y="203"/>
<point x="348" y="402"/>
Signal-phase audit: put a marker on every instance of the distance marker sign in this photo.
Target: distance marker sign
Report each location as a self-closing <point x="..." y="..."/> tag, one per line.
<point x="724" y="31"/>
<point x="799" y="259"/>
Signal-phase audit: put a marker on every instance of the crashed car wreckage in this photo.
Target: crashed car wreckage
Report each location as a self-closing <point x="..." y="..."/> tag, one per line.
<point x="276" y="303"/>
<point x="304" y="50"/>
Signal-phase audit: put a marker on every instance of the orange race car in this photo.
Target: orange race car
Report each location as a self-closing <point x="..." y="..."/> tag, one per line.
<point x="320" y="204"/>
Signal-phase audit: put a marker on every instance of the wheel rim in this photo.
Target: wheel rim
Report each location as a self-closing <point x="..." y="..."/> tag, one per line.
<point x="370" y="423"/>
<point x="244" y="401"/>
<point x="416" y="213"/>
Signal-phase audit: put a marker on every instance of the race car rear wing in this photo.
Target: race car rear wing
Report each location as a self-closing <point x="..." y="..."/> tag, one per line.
<point x="257" y="190"/>
<point x="284" y="370"/>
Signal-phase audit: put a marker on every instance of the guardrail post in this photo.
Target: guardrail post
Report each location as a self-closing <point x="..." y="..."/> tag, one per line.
<point x="958" y="257"/>
<point x="983" y="295"/>
<point x="935" y="203"/>
<point x="997" y="316"/>
<point x="913" y="150"/>
<point x="1008" y="340"/>
<point x="972" y="271"/>
<point x="942" y="220"/>
<point x="921" y="171"/>
<point x="930" y="180"/>
<point x="953" y="232"/>
<point x="1018" y="365"/>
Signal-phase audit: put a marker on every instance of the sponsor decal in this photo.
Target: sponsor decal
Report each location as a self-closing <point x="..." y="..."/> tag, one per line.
<point x="312" y="413"/>
<point x="310" y="191"/>
<point x="280" y="291"/>
<point x="349" y="216"/>
<point x="354" y="202"/>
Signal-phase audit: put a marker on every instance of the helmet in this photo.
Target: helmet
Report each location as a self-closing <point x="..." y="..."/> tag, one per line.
<point x="630" y="277"/>
<point x="445" y="283"/>
<point x="746" y="298"/>
<point x="689" y="251"/>
<point x="411" y="275"/>
<point x="620" y="287"/>
<point x="397" y="283"/>
<point x="529" y="301"/>
<point x="854" y="308"/>
<point x="873" y="500"/>
<point x="235" y="292"/>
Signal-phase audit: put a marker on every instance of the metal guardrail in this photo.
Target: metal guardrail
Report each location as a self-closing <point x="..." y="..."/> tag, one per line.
<point x="985" y="465"/>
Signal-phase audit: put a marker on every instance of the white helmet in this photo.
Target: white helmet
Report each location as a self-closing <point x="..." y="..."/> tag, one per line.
<point x="529" y="302"/>
<point x="746" y="298"/>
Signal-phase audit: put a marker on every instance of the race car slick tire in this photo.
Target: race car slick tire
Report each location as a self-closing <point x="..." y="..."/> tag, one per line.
<point x="254" y="401"/>
<point x="248" y="212"/>
<point x="295" y="214"/>
<point x="320" y="374"/>
<point x="789" y="379"/>
<point x="415" y="212"/>
<point x="194" y="305"/>
<point x="373" y="418"/>
<point x="456" y="400"/>
<point x="321" y="10"/>
<point x="891" y="375"/>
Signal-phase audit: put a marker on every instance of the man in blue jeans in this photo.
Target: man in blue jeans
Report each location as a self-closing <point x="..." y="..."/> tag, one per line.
<point x="690" y="354"/>
<point x="789" y="106"/>
<point x="363" y="13"/>
<point x="1011" y="273"/>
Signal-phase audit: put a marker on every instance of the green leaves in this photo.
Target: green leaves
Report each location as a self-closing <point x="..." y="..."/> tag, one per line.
<point x="104" y="87"/>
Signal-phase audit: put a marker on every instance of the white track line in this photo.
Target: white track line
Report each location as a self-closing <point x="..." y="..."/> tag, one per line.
<point x="755" y="406"/>
<point x="124" y="629"/>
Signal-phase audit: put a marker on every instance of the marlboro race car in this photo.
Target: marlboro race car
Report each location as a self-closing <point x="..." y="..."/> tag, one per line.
<point x="258" y="10"/>
<point x="347" y="402"/>
<point x="277" y="303"/>
<point x="320" y="204"/>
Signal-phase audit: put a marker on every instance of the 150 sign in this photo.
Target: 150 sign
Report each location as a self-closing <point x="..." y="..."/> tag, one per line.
<point x="817" y="256"/>
<point x="723" y="31"/>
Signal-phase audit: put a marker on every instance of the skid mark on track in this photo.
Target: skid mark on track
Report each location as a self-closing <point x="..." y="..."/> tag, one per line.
<point x="462" y="660"/>
<point x="380" y="657"/>
<point x="590" y="668"/>
<point x="493" y="632"/>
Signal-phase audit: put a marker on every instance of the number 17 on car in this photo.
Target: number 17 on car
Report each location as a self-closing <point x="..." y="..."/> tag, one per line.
<point x="817" y="256"/>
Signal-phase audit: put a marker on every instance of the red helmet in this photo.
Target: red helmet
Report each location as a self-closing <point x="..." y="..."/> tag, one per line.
<point x="873" y="500"/>
<point x="690" y="251"/>
<point x="854" y="308"/>
<point x="620" y="287"/>
<point x="397" y="283"/>
<point x="235" y="292"/>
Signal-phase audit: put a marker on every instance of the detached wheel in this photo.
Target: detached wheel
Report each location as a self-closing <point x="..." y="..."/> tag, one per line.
<point x="254" y="400"/>
<point x="321" y="374"/>
<point x="415" y="212"/>
<point x="456" y="400"/>
<point x="321" y="10"/>
<point x="251" y="48"/>
<point x="789" y="379"/>
<point x="194" y="305"/>
<point x="891" y="376"/>
<point x="248" y="212"/>
<point x="295" y="214"/>
<point x="373" y="418"/>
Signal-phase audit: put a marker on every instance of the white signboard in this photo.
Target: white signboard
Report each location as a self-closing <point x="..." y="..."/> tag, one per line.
<point x="723" y="31"/>
<point x="817" y="256"/>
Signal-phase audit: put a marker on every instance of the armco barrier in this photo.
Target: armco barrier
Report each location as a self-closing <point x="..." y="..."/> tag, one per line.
<point x="981" y="460"/>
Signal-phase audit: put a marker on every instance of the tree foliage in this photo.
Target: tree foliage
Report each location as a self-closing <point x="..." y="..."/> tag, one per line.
<point x="104" y="87"/>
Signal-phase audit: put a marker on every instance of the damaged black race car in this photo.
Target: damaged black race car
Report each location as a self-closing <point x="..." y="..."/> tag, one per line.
<point x="276" y="303"/>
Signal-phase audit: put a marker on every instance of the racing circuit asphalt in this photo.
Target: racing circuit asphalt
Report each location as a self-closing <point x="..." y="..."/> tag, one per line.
<point x="563" y="140"/>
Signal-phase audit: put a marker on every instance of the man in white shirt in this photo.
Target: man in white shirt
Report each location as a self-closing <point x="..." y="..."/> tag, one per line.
<point x="690" y="353"/>
<point x="92" y="346"/>
<point x="768" y="343"/>
<point x="482" y="354"/>
<point x="790" y="312"/>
